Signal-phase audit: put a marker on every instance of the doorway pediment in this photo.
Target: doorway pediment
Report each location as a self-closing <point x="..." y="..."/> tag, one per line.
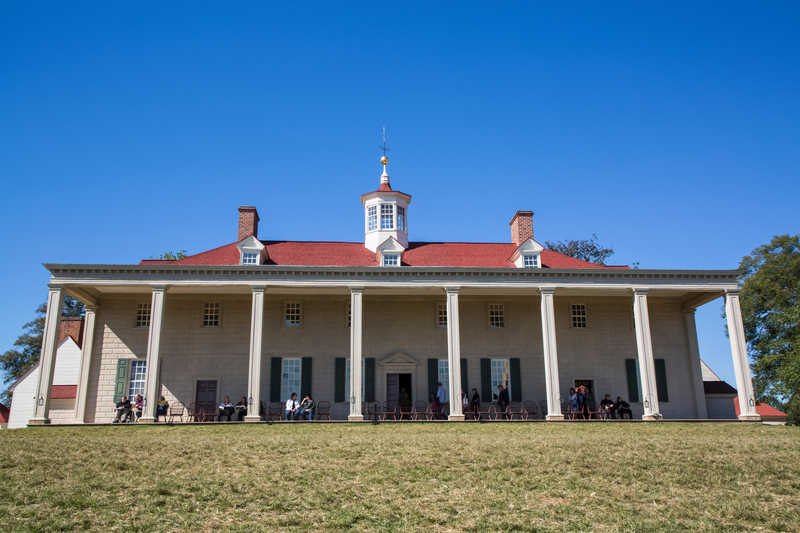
<point x="399" y="359"/>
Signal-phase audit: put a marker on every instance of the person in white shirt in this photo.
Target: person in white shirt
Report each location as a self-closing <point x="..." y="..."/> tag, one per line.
<point x="225" y="410"/>
<point x="292" y="407"/>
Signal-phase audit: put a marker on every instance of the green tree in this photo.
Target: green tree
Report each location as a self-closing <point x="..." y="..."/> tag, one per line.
<point x="16" y="362"/>
<point x="770" y="300"/>
<point x="586" y="250"/>
<point x="170" y="256"/>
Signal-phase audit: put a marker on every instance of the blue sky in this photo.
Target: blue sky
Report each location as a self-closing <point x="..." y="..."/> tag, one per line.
<point x="671" y="130"/>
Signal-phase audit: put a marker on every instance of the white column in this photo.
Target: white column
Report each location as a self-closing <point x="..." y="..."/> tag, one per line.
<point x="550" y="355"/>
<point x="86" y="363"/>
<point x="647" y="365"/>
<point x="454" y="353"/>
<point x="741" y="363"/>
<point x="356" y="296"/>
<point x="151" y="385"/>
<point x="47" y="359"/>
<point x="256" y="337"/>
<point x="694" y="364"/>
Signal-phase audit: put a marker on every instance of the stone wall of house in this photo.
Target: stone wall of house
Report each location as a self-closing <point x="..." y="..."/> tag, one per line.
<point x="392" y="324"/>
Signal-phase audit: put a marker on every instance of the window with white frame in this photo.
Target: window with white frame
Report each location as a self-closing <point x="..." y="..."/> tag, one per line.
<point x="401" y="218"/>
<point x="143" y="316"/>
<point x="444" y="376"/>
<point x="387" y="216"/>
<point x="250" y="258"/>
<point x="441" y="315"/>
<point x="530" y="261"/>
<point x="293" y="314"/>
<point x="138" y="375"/>
<point x="500" y="375"/>
<point x="497" y="316"/>
<point x="391" y="260"/>
<point x="291" y="378"/>
<point x="578" y="315"/>
<point x="372" y="217"/>
<point x="347" y="381"/>
<point x="211" y="315"/>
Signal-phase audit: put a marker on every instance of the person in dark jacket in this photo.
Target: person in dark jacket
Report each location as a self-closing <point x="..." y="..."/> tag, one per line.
<point x="502" y="400"/>
<point x="123" y="409"/>
<point x="623" y="408"/>
<point x="476" y="403"/>
<point x="307" y="408"/>
<point x="241" y="409"/>
<point x="607" y="407"/>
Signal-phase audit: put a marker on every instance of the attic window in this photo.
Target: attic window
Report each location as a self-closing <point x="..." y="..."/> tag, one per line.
<point x="249" y="258"/>
<point x="391" y="260"/>
<point x="530" y="260"/>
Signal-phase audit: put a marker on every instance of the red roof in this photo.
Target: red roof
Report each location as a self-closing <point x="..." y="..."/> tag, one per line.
<point x="63" y="392"/>
<point x="765" y="411"/>
<point x="433" y="254"/>
<point x="4" y="413"/>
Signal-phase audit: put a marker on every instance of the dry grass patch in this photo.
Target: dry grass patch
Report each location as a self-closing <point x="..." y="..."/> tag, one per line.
<point x="395" y="477"/>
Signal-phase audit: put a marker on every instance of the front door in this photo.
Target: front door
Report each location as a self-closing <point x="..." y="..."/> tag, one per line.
<point x="206" y="394"/>
<point x="393" y="388"/>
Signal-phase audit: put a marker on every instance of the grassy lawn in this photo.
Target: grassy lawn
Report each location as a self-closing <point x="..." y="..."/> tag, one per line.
<point x="393" y="477"/>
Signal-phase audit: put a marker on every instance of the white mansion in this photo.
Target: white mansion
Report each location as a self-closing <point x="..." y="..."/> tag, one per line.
<point x="365" y="322"/>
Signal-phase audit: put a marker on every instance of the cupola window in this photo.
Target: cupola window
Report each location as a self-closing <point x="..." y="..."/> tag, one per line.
<point x="372" y="218"/>
<point x="401" y="218"/>
<point x="387" y="216"/>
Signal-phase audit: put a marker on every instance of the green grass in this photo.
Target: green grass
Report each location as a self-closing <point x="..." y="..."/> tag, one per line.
<point x="395" y="477"/>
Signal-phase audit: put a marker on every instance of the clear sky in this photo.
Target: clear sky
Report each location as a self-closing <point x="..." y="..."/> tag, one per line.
<point x="129" y="129"/>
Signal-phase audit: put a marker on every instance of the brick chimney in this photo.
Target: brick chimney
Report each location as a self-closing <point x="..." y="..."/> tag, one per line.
<point x="521" y="227"/>
<point x="71" y="327"/>
<point x="248" y="222"/>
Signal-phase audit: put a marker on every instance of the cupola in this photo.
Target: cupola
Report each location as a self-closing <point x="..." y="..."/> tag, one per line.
<point x="385" y="214"/>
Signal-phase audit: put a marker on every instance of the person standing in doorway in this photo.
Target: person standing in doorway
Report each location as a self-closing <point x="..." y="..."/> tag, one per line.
<point x="441" y="397"/>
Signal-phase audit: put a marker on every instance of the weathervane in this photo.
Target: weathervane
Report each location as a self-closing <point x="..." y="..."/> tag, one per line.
<point x="384" y="159"/>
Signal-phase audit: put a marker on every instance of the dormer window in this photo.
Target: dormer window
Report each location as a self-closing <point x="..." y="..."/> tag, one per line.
<point x="391" y="260"/>
<point x="250" y="258"/>
<point x="401" y="218"/>
<point x="387" y="216"/>
<point x="530" y="260"/>
<point x="252" y="252"/>
<point x="528" y="255"/>
<point x="372" y="218"/>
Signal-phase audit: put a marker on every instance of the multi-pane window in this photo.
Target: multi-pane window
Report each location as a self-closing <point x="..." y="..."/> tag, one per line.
<point x="387" y="216"/>
<point x="391" y="260"/>
<point x="441" y="315"/>
<point x="138" y="374"/>
<point x="291" y="378"/>
<point x="211" y="315"/>
<point x="143" y="316"/>
<point x="530" y="261"/>
<point x="249" y="258"/>
<point x="292" y="314"/>
<point x="372" y="217"/>
<point x="401" y="218"/>
<point x="347" y="380"/>
<point x="496" y="316"/>
<point x="444" y="376"/>
<point x="500" y="371"/>
<point x="578" y="316"/>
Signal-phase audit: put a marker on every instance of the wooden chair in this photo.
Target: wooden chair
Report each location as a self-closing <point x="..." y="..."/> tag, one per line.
<point x="406" y="410"/>
<point x="566" y="411"/>
<point x="195" y="412"/>
<point x="543" y="407"/>
<point x="374" y="410"/>
<point x="324" y="409"/>
<point x="275" y="410"/>
<point x="421" y="409"/>
<point x="484" y="411"/>
<point x="530" y="409"/>
<point x="389" y="409"/>
<point x="175" y="410"/>
<point x="500" y="413"/>
<point x="516" y="409"/>
<point x="593" y="410"/>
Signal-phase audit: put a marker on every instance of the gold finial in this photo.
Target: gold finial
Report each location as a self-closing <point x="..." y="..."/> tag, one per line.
<point x="384" y="159"/>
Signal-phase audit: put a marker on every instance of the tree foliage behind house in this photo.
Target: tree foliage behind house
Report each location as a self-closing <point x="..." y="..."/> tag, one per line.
<point x="586" y="250"/>
<point x="770" y="300"/>
<point x="17" y="361"/>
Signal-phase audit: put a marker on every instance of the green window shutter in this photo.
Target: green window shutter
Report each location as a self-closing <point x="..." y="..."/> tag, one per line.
<point x="340" y="377"/>
<point x="369" y="379"/>
<point x="276" y="368"/>
<point x="121" y="385"/>
<point x="433" y="377"/>
<point x="633" y="383"/>
<point x="486" y="380"/>
<point x="305" y="376"/>
<point x="516" y="380"/>
<point x="661" y="381"/>
<point x="464" y="378"/>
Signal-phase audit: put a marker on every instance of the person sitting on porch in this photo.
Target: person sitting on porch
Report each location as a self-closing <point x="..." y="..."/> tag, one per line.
<point x="464" y="402"/>
<point x="225" y="410"/>
<point x="502" y="400"/>
<point x="476" y="403"/>
<point x="138" y="405"/>
<point x="623" y="408"/>
<point x="292" y="406"/>
<point x="241" y="409"/>
<point x="574" y="406"/>
<point x="307" y="408"/>
<point x="161" y="407"/>
<point x="441" y="397"/>
<point x="123" y="410"/>
<point x="607" y="406"/>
